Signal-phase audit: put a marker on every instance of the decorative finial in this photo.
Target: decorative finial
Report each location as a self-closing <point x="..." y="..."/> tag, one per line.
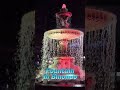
<point x="63" y="18"/>
<point x="63" y="6"/>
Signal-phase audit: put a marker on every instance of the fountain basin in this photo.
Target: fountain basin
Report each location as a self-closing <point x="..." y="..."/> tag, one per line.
<point x="63" y="34"/>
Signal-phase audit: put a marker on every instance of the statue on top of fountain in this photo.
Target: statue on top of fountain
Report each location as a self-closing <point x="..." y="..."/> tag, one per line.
<point x="63" y="18"/>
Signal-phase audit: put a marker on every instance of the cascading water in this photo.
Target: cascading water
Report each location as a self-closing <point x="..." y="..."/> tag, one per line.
<point x="63" y="52"/>
<point x="100" y="49"/>
<point x="62" y="62"/>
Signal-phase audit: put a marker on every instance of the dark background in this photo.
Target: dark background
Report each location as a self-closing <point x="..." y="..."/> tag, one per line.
<point x="11" y="12"/>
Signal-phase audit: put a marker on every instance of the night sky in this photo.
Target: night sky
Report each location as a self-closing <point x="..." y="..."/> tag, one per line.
<point x="11" y="13"/>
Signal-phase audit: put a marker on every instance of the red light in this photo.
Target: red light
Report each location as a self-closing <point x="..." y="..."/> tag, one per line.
<point x="63" y="6"/>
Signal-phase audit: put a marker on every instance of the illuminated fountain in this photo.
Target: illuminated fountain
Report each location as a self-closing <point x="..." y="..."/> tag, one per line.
<point x="100" y="29"/>
<point x="62" y="50"/>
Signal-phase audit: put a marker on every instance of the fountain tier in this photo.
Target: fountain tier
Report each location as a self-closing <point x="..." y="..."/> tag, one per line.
<point x="61" y="34"/>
